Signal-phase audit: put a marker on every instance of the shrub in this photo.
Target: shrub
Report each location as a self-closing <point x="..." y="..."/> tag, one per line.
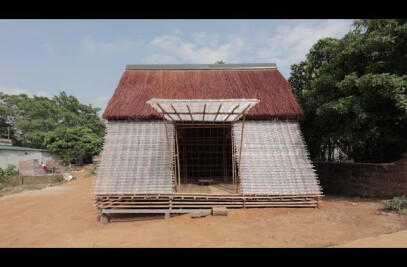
<point x="58" y="179"/>
<point x="94" y="168"/>
<point x="10" y="170"/>
<point x="6" y="173"/>
<point x="398" y="204"/>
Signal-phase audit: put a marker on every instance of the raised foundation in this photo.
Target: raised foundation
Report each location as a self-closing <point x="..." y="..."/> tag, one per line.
<point x="201" y="201"/>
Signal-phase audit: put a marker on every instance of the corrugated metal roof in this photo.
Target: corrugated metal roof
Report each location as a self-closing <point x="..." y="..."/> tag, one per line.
<point x="241" y="66"/>
<point x="6" y="147"/>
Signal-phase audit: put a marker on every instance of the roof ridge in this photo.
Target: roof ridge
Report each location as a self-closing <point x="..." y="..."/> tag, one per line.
<point x="238" y="66"/>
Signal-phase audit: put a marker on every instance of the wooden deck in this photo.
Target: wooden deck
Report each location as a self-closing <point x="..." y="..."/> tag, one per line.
<point x="214" y="189"/>
<point x="181" y="201"/>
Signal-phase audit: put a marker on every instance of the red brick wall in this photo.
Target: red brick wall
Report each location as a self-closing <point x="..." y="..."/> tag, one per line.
<point x="45" y="179"/>
<point x="363" y="179"/>
<point x="30" y="167"/>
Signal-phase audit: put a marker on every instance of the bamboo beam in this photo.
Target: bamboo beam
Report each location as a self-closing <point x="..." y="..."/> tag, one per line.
<point x="164" y="112"/>
<point x="217" y="113"/>
<point x="232" y="112"/>
<point x="207" y="113"/>
<point x="176" y="112"/>
<point x="242" y="113"/>
<point x="203" y="114"/>
<point x="190" y="114"/>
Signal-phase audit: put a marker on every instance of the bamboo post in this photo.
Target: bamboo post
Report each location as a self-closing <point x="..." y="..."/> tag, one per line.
<point x="169" y="149"/>
<point x="240" y="150"/>
<point x="233" y="155"/>
<point x="178" y="165"/>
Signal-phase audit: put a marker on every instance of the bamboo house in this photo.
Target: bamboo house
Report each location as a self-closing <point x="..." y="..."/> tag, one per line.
<point x="187" y="137"/>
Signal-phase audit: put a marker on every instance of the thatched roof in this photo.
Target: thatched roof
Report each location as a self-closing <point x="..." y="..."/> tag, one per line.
<point x="140" y="83"/>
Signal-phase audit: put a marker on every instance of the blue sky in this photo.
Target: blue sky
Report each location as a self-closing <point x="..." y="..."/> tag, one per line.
<point x="86" y="58"/>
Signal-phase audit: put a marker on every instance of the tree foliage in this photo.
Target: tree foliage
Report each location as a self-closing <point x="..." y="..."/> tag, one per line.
<point x="353" y="92"/>
<point x="77" y="143"/>
<point x="41" y="122"/>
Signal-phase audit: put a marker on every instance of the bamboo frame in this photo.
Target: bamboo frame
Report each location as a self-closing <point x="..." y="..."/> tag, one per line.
<point x="176" y="202"/>
<point x="178" y="165"/>
<point x="178" y="126"/>
<point x="190" y="114"/>
<point x="231" y="113"/>
<point x="232" y="104"/>
<point x="169" y="151"/>
<point x="217" y="113"/>
<point x="240" y="153"/>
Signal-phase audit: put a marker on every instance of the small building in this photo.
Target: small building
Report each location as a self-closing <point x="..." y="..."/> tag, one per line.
<point x="183" y="137"/>
<point x="15" y="154"/>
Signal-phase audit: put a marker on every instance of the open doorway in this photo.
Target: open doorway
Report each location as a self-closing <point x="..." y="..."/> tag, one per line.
<point x="205" y="163"/>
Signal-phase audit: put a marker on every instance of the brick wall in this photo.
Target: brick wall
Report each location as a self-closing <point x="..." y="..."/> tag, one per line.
<point x="30" y="167"/>
<point x="45" y="179"/>
<point x="363" y="179"/>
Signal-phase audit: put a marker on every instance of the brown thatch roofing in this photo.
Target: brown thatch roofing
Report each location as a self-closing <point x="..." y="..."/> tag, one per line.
<point x="141" y="83"/>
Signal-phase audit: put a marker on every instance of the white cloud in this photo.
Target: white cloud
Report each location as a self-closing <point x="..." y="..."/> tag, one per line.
<point x="203" y="48"/>
<point x="287" y="45"/>
<point x="10" y="90"/>
<point x="107" y="47"/>
<point x="291" y="43"/>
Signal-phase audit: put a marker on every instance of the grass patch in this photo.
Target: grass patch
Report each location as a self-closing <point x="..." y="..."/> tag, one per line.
<point x="397" y="204"/>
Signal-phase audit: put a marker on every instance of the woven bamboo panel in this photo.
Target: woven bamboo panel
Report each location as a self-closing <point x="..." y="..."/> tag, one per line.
<point x="135" y="159"/>
<point x="275" y="159"/>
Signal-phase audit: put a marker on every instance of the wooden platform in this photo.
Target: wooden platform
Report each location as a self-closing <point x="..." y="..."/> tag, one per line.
<point x="182" y="201"/>
<point x="213" y="189"/>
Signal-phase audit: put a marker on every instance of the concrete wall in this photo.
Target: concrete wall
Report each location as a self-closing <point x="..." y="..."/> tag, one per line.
<point x="15" y="156"/>
<point x="363" y="179"/>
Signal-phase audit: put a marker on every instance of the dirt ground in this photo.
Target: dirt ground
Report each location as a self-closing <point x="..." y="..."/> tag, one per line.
<point x="64" y="216"/>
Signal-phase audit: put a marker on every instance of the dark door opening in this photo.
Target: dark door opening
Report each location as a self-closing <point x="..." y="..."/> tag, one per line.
<point x="205" y="158"/>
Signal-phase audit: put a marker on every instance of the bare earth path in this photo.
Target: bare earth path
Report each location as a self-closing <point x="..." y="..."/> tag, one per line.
<point x="64" y="216"/>
<point x="393" y="240"/>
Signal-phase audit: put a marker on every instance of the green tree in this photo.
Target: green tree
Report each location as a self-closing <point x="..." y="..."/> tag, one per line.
<point x="33" y="119"/>
<point x="76" y="144"/>
<point x="353" y="92"/>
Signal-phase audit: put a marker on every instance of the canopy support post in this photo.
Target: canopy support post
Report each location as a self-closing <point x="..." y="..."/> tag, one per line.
<point x="240" y="151"/>
<point x="171" y="159"/>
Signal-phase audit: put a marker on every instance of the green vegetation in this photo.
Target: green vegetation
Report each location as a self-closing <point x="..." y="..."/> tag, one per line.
<point x="6" y="175"/>
<point x="10" y="170"/>
<point x="398" y="204"/>
<point x="58" y="179"/>
<point x="61" y="124"/>
<point x="94" y="168"/>
<point x="353" y="93"/>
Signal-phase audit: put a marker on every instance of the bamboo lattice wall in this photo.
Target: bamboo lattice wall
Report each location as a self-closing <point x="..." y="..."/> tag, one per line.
<point x="135" y="159"/>
<point x="275" y="160"/>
